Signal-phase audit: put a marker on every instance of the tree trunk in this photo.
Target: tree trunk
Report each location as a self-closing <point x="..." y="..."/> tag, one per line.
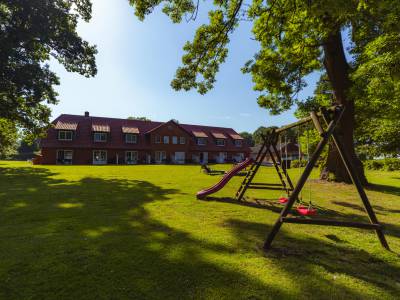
<point x="338" y="72"/>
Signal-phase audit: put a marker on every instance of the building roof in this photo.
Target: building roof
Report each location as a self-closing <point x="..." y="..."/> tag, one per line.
<point x="85" y="125"/>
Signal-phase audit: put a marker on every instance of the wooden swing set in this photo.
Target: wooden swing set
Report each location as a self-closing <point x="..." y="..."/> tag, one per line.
<point x="331" y="117"/>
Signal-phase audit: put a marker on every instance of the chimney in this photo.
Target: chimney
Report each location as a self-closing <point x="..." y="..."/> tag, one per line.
<point x="86" y="114"/>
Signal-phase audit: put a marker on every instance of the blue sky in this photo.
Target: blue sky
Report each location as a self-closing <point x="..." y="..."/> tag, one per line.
<point x="136" y="62"/>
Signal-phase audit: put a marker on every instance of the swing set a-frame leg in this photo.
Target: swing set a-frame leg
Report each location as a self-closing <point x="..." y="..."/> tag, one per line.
<point x="357" y="182"/>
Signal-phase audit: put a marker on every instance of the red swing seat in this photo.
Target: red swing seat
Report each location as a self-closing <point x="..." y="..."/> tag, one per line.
<point x="283" y="200"/>
<point x="306" y="211"/>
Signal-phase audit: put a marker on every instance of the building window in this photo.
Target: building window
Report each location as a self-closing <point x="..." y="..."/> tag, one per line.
<point x="220" y="142"/>
<point x="238" y="143"/>
<point x="99" y="157"/>
<point x="161" y="156"/>
<point x="166" y="139"/>
<point x="64" y="157"/>
<point x="182" y="140"/>
<point x="64" y="135"/>
<point x="157" y="139"/>
<point x="131" y="138"/>
<point x="174" y="140"/>
<point x="131" y="157"/>
<point x="100" y="137"/>
<point x="201" y="141"/>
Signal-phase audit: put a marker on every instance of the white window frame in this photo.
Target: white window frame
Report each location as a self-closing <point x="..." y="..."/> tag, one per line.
<point x="134" y="138"/>
<point x="238" y="143"/>
<point x="133" y="154"/>
<point x="201" y="139"/>
<point x="217" y="142"/>
<point x="63" y="150"/>
<point x="175" y="140"/>
<point x="65" y="132"/>
<point x="165" y="139"/>
<point x="157" y="139"/>
<point x="103" y="162"/>
<point x="182" y="140"/>
<point x="97" y="134"/>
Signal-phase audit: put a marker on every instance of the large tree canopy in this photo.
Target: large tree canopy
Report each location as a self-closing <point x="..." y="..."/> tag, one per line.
<point x="296" y="37"/>
<point x="31" y="32"/>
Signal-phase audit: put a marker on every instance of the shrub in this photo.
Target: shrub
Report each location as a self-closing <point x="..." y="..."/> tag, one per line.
<point x="392" y="164"/>
<point x="297" y="163"/>
<point x="374" y="164"/>
<point x="388" y="164"/>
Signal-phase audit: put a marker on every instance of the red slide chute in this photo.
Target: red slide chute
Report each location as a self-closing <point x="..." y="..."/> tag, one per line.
<point x="224" y="180"/>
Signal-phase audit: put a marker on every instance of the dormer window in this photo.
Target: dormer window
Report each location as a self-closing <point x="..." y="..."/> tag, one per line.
<point x="201" y="141"/>
<point x="166" y="139"/>
<point x="182" y="140"/>
<point x="238" y="143"/>
<point x="131" y="138"/>
<point x="100" y="132"/>
<point x="157" y="139"/>
<point x="100" y="137"/>
<point x="64" y="135"/>
<point x="220" y="142"/>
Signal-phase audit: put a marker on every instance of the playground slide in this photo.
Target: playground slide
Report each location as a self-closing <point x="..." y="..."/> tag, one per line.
<point x="224" y="180"/>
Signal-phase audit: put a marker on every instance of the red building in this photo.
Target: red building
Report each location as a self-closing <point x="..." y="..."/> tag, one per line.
<point x="96" y="140"/>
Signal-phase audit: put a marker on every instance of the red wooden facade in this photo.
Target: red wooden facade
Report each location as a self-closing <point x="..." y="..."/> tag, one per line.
<point x="96" y="140"/>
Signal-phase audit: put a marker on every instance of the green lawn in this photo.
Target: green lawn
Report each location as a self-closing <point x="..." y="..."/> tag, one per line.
<point x="138" y="232"/>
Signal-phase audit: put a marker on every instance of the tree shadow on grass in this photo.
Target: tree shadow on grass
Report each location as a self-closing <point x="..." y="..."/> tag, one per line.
<point x="270" y="204"/>
<point x="387" y="189"/>
<point x="304" y="259"/>
<point x="323" y="212"/>
<point x="94" y="238"/>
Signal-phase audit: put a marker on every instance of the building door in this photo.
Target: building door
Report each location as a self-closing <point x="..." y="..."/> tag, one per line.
<point x="99" y="157"/>
<point x="222" y="157"/>
<point x="179" y="157"/>
<point x="64" y="157"/>
<point x="203" y="157"/>
<point x="131" y="157"/>
<point x="161" y="156"/>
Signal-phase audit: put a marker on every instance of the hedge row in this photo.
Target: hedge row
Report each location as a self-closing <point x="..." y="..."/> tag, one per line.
<point x="388" y="164"/>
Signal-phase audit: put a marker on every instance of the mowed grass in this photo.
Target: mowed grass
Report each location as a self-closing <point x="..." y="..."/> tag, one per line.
<point x="138" y="232"/>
